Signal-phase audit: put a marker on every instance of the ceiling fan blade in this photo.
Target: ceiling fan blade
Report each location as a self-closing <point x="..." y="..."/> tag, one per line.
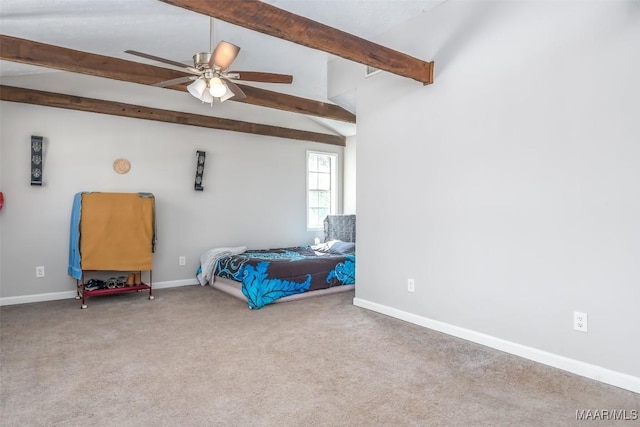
<point x="255" y="76"/>
<point x="166" y="61"/>
<point x="173" y="82"/>
<point x="223" y="55"/>
<point x="238" y="94"/>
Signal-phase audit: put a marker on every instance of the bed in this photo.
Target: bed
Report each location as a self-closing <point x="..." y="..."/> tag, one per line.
<point x="262" y="277"/>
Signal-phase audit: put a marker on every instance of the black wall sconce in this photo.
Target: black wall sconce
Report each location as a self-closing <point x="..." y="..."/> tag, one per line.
<point x="200" y="157"/>
<point x="36" y="159"/>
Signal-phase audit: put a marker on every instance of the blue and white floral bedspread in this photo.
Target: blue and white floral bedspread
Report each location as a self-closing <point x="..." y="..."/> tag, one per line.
<point x="268" y="275"/>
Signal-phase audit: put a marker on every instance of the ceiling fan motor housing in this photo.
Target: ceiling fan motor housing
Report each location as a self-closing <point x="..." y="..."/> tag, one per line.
<point x="201" y="60"/>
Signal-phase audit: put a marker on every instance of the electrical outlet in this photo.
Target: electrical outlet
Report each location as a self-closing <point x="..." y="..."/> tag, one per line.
<point x="411" y="285"/>
<point x="40" y="271"/>
<point x="182" y="260"/>
<point x="580" y="321"/>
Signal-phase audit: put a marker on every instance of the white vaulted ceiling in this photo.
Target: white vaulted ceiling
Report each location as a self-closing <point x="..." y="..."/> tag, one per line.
<point x="109" y="27"/>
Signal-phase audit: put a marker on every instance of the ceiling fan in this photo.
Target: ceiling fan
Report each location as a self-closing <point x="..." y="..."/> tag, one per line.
<point x="211" y="76"/>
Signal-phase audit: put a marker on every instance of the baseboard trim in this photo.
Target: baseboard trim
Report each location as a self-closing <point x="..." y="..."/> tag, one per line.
<point x="26" y="299"/>
<point x="598" y="373"/>
<point x="53" y="296"/>
<point x="175" y="283"/>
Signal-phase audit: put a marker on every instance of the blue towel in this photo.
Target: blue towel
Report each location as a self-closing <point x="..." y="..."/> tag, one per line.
<point x="155" y="231"/>
<point x="74" y="238"/>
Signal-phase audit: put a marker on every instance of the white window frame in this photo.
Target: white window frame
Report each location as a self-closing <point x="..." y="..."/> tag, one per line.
<point x="334" y="186"/>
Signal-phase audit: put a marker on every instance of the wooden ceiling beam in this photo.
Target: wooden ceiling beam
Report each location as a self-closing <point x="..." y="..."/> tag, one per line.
<point x="71" y="102"/>
<point x="45" y="55"/>
<point x="267" y="19"/>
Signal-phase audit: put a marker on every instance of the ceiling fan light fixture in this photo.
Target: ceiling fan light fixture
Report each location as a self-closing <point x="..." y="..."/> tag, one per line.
<point x="197" y="88"/>
<point x="227" y="95"/>
<point x="216" y="87"/>
<point x="206" y="97"/>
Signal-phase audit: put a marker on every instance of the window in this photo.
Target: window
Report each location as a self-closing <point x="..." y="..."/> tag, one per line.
<point x="321" y="187"/>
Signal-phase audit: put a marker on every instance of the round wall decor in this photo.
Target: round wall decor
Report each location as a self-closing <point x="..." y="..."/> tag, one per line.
<point x="121" y="166"/>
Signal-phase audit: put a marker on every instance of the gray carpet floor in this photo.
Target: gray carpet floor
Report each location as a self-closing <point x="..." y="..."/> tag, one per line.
<point x="197" y="357"/>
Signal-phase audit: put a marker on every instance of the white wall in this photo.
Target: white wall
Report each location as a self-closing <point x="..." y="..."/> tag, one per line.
<point x="349" y="175"/>
<point x="1" y="209"/>
<point x="509" y="189"/>
<point x="254" y="189"/>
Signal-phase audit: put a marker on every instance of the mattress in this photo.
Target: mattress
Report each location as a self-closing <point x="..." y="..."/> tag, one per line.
<point x="269" y="275"/>
<point x="262" y="277"/>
